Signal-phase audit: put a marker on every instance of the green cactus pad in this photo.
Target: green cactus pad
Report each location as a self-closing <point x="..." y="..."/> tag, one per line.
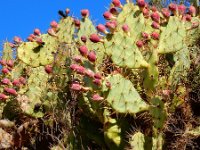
<point x="7" y="52"/>
<point x="173" y="36"/>
<point x="124" y="51"/>
<point x="34" y="55"/>
<point x="123" y="97"/>
<point x="137" y="141"/>
<point x="66" y="30"/>
<point x="158" y="112"/>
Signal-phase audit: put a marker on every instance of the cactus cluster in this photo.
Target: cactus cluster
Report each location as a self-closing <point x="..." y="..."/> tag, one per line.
<point x="123" y="85"/>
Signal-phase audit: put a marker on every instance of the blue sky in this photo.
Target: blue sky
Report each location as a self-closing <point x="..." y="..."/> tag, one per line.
<point x="21" y="17"/>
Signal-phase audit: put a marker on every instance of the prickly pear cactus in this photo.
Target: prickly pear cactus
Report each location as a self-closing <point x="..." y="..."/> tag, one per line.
<point x="131" y="83"/>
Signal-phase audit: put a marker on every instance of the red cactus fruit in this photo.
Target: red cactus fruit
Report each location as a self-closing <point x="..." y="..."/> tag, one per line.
<point x="76" y="87"/>
<point x="10" y="63"/>
<point x="117" y="3"/>
<point x="22" y="80"/>
<point x="17" y="40"/>
<point x="3" y="62"/>
<point x="77" y="59"/>
<point x="3" y="97"/>
<point x="101" y="28"/>
<point x="48" y="69"/>
<point x="77" y="23"/>
<point x="95" y="38"/>
<point x="153" y="8"/>
<point x="113" y="11"/>
<point x="192" y="11"/>
<point x="74" y="67"/>
<point x="155" y="35"/>
<point x="5" y="70"/>
<point x="188" y="17"/>
<point x="80" y="70"/>
<point x="16" y="82"/>
<point x="84" y="38"/>
<point x="181" y="9"/>
<point x="67" y="11"/>
<point x="85" y="12"/>
<point x="125" y="28"/>
<point x="155" y="25"/>
<point x="146" y="12"/>
<point x="108" y="84"/>
<point x="51" y="32"/>
<point x="10" y="91"/>
<point x="108" y="16"/>
<point x="89" y="73"/>
<point x="139" y="43"/>
<point x="145" y="35"/>
<point x="173" y="7"/>
<point x="5" y="81"/>
<point x="97" y="76"/>
<point x="54" y="24"/>
<point x="155" y="17"/>
<point x="141" y="3"/>
<point x="39" y="41"/>
<point x="83" y="50"/>
<point x="97" y="82"/>
<point x="111" y="25"/>
<point x="97" y="97"/>
<point x="30" y="39"/>
<point x="92" y="56"/>
<point x="165" y="12"/>
<point x="37" y="31"/>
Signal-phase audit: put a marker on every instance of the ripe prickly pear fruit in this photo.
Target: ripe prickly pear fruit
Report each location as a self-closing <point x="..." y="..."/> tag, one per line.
<point x="77" y="23"/>
<point x="37" y="31"/>
<point x="97" y="76"/>
<point x="141" y="3"/>
<point x="3" y="97"/>
<point x="73" y="67"/>
<point x="146" y="12"/>
<point x="84" y="38"/>
<point x="101" y="28"/>
<point x="39" y="41"/>
<point x="3" y="62"/>
<point x="113" y="11"/>
<point x="16" y="82"/>
<point x="192" y="11"/>
<point x="83" y="50"/>
<point x="5" y="81"/>
<point x="30" y="39"/>
<point x="54" y="24"/>
<point x="155" y="35"/>
<point x="22" y="80"/>
<point x="125" y="28"/>
<point x="76" y="87"/>
<point x="95" y="38"/>
<point x="173" y="7"/>
<point x="97" y="97"/>
<point x="117" y="3"/>
<point x="97" y="82"/>
<point x="181" y="9"/>
<point x="153" y="8"/>
<point x="165" y="12"/>
<point x="155" y="25"/>
<point x="89" y="73"/>
<point x="92" y="56"/>
<point x="10" y="91"/>
<point x="5" y="70"/>
<point x="85" y="13"/>
<point x="77" y="59"/>
<point x="67" y="11"/>
<point x="80" y="70"/>
<point x="188" y="17"/>
<point x="145" y="35"/>
<point x="108" y="16"/>
<point x="48" y="69"/>
<point x="10" y="63"/>
<point x="51" y="32"/>
<point x="17" y="40"/>
<point x="155" y="17"/>
<point x="111" y="25"/>
<point x="139" y="43"/>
